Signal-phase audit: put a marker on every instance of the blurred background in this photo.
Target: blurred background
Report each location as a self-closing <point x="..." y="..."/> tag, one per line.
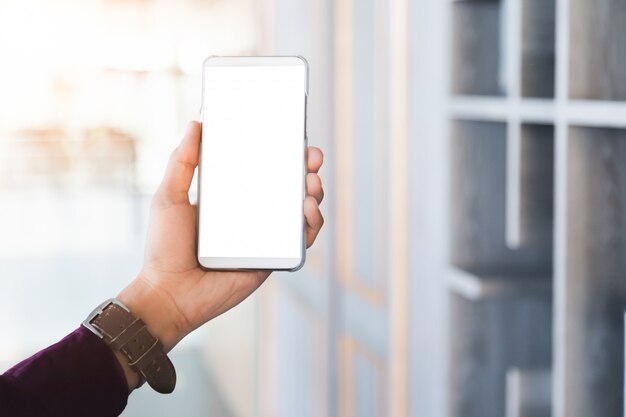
<point x="473" y="261"/>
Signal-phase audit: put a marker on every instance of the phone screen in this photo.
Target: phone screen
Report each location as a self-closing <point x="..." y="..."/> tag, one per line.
<point x="252" y="163"/>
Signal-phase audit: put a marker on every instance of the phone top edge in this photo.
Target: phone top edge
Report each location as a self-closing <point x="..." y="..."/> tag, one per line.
<point x="259" y="60"/>
<point x="265" y="60"/>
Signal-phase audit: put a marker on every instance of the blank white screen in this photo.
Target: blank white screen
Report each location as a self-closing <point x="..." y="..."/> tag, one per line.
<point x="252" y="162"/>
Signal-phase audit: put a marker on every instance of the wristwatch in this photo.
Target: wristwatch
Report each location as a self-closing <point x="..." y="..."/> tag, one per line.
<point x="113" y="322"/>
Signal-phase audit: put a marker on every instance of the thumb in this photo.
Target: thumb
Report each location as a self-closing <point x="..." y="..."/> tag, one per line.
<point x="183" y="161"/>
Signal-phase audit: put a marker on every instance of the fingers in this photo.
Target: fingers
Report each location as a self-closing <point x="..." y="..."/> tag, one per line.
<point x="315" y="159"/>
<point x="314" y="219"/>
<point x="175" y="185"/>
<point x="315" y="195"/>
<point x="314" y="187"/>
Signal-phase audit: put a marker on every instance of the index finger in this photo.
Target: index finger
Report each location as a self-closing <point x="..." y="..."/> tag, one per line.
<point x="315" y="159"/>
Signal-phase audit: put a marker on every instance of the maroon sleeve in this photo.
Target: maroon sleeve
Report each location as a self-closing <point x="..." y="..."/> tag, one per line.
<point x="78" y="376"/>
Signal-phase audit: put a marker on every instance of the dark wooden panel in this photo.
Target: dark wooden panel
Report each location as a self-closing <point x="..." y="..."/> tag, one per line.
<point x="529" y="393"/>
<point x="538" y="45"/>
<point x="598" y="50"/>
<point x="537" y="190"/>
<point x="476" y="48"/>
<point x="478" y="181"/>
<point x="596" y="272"/>
<point x="489" y="337"/>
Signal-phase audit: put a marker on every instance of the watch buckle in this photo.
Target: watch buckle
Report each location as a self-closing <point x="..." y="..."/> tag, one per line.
<point x="97" y="311"/>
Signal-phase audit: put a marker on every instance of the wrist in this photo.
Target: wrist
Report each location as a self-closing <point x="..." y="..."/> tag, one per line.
<point x="156" y="308"/>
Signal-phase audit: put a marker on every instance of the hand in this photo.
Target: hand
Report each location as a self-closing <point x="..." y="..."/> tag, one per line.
<point x="171" y="294"/>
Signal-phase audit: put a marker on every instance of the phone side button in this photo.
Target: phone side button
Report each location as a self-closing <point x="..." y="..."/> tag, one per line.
<point x="305" y="170"/>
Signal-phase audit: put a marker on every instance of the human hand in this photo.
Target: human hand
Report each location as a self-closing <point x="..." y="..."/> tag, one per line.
<point x="172" y="294"/>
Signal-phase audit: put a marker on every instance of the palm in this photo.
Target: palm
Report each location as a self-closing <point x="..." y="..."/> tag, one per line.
<point x="170" y="265"/>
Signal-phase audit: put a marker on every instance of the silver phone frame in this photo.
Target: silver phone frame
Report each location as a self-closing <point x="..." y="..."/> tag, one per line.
<point x="244" y="263"/>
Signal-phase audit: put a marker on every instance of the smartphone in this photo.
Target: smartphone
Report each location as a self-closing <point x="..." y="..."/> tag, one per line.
<point x="251" y="175"/>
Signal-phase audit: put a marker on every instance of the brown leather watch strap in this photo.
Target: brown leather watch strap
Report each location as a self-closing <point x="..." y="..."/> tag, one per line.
<point x="122" y="331"/>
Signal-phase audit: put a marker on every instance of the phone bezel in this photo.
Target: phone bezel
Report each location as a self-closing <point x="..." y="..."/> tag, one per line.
<point x="244" y="263"/>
